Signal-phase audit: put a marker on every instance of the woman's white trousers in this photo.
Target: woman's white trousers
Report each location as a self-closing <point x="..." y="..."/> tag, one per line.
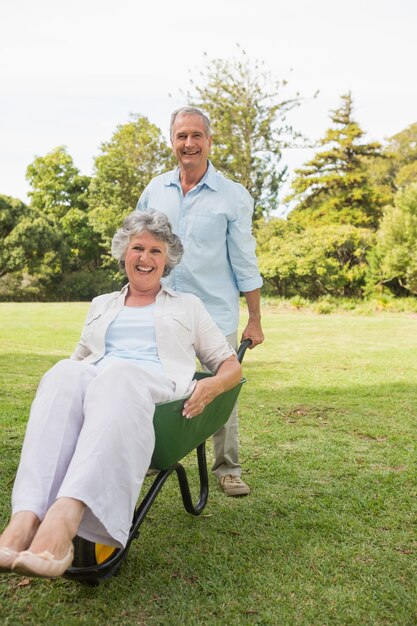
<point x="90" y="437"/>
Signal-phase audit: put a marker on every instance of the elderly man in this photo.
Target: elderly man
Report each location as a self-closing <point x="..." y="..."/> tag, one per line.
<point x="213" y="217"/>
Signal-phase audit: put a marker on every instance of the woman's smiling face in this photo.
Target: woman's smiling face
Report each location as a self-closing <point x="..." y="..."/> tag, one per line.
<point x="145" y="260"/>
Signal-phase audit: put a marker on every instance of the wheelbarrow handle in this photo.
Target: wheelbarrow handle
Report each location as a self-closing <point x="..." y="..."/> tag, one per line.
<point x="242" y="349"/>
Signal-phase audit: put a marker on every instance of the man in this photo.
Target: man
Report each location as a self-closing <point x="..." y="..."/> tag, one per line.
<point x="213" y="217"/>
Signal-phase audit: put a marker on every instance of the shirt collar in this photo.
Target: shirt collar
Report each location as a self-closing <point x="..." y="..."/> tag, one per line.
<point x="171" y="292"/>
<point x="209" y="179"/>
<point x="168" y="290"/>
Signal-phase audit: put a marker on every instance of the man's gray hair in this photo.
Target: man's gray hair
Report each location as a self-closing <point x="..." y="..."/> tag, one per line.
<point x="155" y="223"/>
<point x="190" y="111"/>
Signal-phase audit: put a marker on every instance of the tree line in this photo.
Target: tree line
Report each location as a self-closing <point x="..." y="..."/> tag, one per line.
<point x="351" y="230"/>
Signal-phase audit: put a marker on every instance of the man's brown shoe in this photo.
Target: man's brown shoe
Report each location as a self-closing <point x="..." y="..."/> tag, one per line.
<point x="233" y="486"/>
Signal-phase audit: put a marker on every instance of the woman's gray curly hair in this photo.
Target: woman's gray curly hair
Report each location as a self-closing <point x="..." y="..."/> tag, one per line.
<point x="155" y="223"/>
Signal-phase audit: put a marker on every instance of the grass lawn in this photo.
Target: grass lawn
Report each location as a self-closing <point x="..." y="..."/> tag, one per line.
<point x="328" y="535"/>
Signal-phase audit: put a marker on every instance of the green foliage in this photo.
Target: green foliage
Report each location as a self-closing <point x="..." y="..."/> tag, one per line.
<point x="335" y="186"/>
<point x="378" y="302"/>
<point x="56" y="184"/>
<point x="11" y="211"/>
<point x="397" y="166"/>
<point x="136" y="153"/>
<point x="84" y="284"/>
<point x="394" y="261"/>
<point x="41" y="257"/>
<point x="248" y="116"/>
<point x="52" y="238"/>
<point x="59" y="195"/>
<point x="313" y="261"/>
<point x="56" y="249"/>
<point x="33" y="247"/>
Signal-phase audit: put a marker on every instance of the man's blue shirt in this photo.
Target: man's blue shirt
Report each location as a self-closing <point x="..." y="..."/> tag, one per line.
<point x="214" y="223"/>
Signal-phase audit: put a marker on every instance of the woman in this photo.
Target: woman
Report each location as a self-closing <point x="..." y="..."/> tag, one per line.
<point x="90" y="437"/>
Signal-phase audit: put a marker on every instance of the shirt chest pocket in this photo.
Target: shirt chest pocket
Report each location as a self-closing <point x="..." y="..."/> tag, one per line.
<point x="179" y="329"/>
<point x="93" y="320"/>
<point x="92" y="326"/>
<point x="206" y="227"/>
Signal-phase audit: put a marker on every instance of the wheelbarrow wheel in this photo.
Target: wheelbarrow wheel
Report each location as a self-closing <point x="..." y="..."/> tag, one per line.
<point x="88" y="553"/>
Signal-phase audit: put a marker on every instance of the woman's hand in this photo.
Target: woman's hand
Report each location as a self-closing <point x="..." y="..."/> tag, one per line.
<point x="228" y="375"/>
<point x="204" y="392"/>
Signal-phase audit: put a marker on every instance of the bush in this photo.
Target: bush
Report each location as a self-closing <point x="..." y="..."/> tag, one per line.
<point x="74" y="286"/>
<point x="85" y="285"/>
<point x="393" y="263"/>
<point x="298" y="302"/>
<point x="314" y="261"/>
<point x="323" y="307"/>
<point x="18" y="287"/>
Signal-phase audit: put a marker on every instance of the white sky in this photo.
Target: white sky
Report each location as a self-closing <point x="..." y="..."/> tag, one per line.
<point x="73" y="70"/>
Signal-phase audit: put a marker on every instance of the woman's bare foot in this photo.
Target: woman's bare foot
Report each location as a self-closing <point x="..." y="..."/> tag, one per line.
<point x="58" y="528"/>
<point x="19" y="533"/>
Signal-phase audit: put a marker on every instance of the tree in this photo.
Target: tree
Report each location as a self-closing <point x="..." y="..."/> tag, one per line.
<point x="56" y="184"/>
<point x="59" y="194"/>
<point x="33" y="247"/>
<point x="136" y="153"/>
<point x="397" y="166"/>
<point x="394" y="262"/>
<point x="314" y="261"/>
<point x="29" y="248"/>
<point x="335" y="186"/>
<point x="11" y="211"/>
<point x="248" y="117"/>
<point x="39" y="260"/>
<point x="50" y="251"/>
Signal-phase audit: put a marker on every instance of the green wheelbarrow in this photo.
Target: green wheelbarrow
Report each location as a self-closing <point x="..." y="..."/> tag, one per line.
<point x="175" y="437"/>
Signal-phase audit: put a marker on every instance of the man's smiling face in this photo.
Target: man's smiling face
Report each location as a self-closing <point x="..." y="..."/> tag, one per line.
<point x="190" y="143"/>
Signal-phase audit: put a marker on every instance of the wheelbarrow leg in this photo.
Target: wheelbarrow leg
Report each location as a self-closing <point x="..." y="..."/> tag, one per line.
<point x="185" y="488"/>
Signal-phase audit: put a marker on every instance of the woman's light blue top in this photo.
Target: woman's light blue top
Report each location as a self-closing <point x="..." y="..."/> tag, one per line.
<point x="132" y="336"/>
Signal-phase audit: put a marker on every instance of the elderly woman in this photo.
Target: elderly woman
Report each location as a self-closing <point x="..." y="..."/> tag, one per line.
<point x="90" y="436"/>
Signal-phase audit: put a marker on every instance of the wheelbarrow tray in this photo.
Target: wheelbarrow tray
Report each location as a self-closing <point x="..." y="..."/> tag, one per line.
<point x="176" y="436"/>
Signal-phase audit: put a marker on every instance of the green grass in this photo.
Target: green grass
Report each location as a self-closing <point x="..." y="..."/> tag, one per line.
<point x="327" y="423"/>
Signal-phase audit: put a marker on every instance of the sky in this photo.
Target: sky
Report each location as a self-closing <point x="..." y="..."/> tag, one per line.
<point x="72" y="71"/>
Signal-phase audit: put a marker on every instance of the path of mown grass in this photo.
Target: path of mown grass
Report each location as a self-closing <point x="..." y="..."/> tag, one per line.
<point x="328" y="422"/>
